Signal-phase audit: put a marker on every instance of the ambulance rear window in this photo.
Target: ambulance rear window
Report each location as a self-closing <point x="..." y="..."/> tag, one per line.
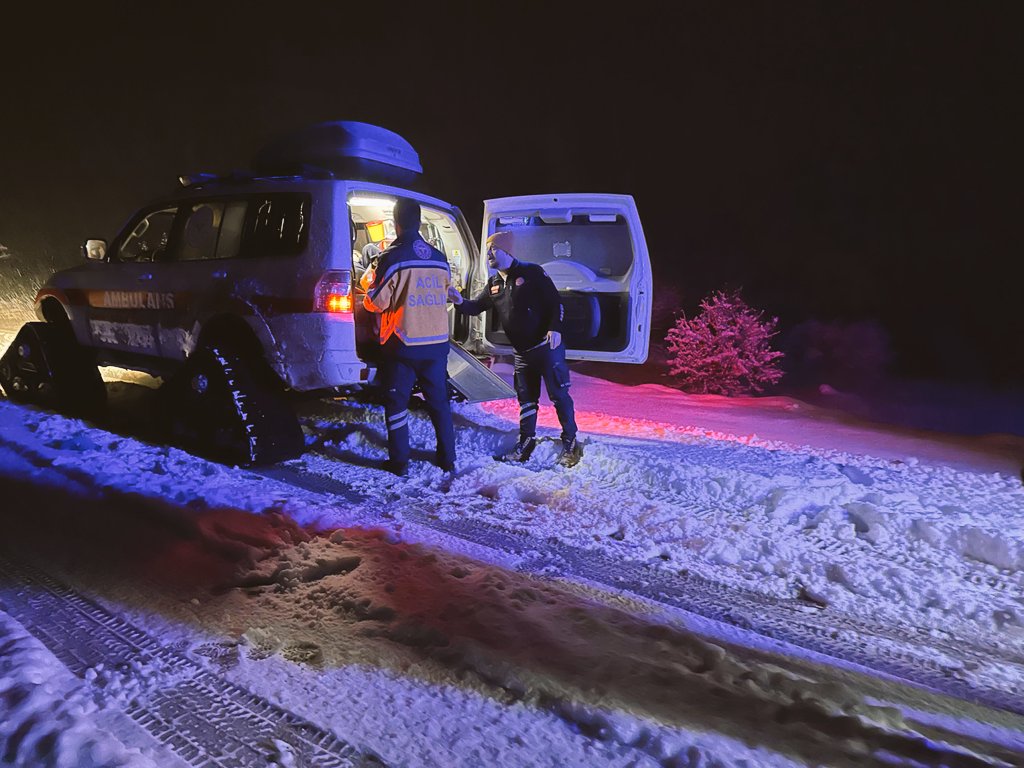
<point x="600" y="242"/>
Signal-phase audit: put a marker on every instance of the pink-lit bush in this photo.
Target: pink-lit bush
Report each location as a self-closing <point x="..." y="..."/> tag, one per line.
<point x="725" y="349"/>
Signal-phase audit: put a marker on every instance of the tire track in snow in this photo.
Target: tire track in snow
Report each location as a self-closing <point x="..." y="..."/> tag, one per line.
<point x="202" y="717"/>
<point x="906" y="748"/>
<point x="747" y="485"/>
<point x="909" y="656"/>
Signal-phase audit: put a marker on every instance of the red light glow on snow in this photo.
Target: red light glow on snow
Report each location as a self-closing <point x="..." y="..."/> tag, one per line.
<point x="603" y="424"/>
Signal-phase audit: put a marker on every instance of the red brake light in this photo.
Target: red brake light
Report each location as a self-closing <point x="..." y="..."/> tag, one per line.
<point x="337" y="302"/>
<point x="334" y="292"/>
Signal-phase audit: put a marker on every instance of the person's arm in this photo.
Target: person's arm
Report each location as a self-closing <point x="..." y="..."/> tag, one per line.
<point x="380" y="289"/>
<point x="552" y="304"/>
<point x="481" y="303"/>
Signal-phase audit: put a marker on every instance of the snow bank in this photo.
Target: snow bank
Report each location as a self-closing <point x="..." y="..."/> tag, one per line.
<point x="871" y="537"/>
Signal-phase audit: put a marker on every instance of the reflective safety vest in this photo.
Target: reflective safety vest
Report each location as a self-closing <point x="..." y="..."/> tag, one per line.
<point x="410" y="291"/>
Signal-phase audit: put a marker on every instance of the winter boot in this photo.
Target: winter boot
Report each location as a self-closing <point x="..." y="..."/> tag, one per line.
<point x="519" y="452"/>
<point x="396" y="468"/>
<point x="440" y="461"/>
<point x="572" y="452"/>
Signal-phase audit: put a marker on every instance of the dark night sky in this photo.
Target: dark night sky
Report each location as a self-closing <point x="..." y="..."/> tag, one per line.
<point x="842" y="161"/>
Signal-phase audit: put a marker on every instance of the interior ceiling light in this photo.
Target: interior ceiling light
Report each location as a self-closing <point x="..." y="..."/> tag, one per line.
<point x="379" y="202"/>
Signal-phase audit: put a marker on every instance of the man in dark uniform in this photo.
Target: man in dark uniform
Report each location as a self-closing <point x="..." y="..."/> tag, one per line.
<point x="408" y="289"/>
<point x="530" y="312"/>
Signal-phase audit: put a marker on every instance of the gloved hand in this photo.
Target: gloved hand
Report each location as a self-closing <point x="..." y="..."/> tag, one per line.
<point x="453" y="295"/>
<point x="554" y="339"/>
<point x="367" y="279"/>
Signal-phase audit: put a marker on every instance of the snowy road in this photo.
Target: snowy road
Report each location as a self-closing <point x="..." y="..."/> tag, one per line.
<point x="685" y="596"/>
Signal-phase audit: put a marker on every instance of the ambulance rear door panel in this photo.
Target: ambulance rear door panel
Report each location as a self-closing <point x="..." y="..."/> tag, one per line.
<point x="593" y="248"/>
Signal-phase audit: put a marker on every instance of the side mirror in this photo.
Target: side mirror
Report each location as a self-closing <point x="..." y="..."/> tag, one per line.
<point x="95" y="249"/>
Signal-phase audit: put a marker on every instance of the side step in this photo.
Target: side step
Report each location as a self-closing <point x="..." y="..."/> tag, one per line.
<point x="472" y="380"/>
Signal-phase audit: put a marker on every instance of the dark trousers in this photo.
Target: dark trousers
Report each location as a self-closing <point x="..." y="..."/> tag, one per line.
<point x="400" y="374"/>
<point x="547" y="364"/>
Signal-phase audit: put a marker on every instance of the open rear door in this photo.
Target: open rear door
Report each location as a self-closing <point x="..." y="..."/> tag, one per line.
<point x="593" y="248"/>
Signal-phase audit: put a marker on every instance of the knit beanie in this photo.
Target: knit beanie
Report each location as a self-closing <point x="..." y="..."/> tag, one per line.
<point x="502" y="240"/>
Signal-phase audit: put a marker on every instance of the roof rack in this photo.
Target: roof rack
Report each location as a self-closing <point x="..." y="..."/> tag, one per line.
<point x="200" y="180"/>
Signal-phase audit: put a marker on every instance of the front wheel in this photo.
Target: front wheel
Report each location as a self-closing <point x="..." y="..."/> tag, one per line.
<point x="47" y="366"/>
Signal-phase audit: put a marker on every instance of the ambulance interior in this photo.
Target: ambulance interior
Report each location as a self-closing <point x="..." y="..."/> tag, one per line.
<point x="373" y="230"/>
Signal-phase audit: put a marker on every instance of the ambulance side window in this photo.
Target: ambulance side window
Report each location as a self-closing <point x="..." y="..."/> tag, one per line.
<point x="229" y="244"/>
<point x="147" y="241"/>
<point x="276" y="225"/>
<point x="211" y="229"/>
<point x="199" y="236"/>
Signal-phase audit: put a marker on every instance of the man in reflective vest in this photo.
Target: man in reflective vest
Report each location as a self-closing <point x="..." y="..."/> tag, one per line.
<point x="530" y="312"/>
<point x="408" y="289"/>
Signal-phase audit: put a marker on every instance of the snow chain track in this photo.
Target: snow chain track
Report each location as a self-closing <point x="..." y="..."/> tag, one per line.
<point x="905" y="653"/>
<point x="790" y="621"/>
<point x="201" y="717"/>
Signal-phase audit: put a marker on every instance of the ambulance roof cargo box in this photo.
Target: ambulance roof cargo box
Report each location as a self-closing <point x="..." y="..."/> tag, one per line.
<point x="342" y="149"/>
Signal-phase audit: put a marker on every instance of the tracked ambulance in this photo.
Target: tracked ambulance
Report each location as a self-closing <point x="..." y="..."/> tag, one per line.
<point x="242" y="291"/>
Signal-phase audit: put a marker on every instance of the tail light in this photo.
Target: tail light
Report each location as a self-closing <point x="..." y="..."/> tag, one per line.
<point x="334" y="292"/>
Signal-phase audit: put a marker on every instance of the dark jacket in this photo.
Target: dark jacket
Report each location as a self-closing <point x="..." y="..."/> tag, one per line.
<point x="527" y="304"/>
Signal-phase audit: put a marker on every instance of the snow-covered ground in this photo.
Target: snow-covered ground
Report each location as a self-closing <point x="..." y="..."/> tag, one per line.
<point x="424" y="649"/>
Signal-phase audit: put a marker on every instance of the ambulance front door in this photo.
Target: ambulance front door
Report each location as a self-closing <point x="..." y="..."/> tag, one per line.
<point x="126" y="296"/>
